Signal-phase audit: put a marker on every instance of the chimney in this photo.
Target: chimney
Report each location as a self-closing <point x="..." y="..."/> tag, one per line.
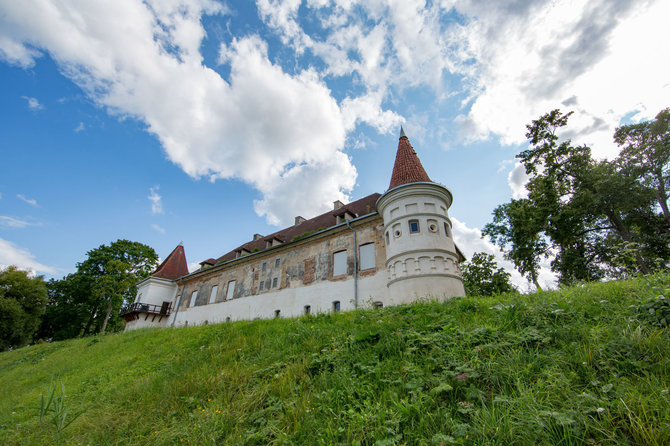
<point x="337" y="204"/>
<point x="257" y="237"/>
<point x="298" y="220"/>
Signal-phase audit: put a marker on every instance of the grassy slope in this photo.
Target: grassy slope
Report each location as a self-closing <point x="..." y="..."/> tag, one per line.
<point x="577" y="366"/>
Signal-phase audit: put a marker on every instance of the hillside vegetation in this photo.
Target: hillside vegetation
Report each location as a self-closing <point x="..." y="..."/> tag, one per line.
<point x="584" y="365"/>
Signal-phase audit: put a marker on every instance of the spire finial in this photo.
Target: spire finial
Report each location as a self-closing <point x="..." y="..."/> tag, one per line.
<point x="402" y="132"/>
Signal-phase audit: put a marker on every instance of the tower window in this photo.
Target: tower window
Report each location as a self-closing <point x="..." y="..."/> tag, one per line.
<point x="413" y="226"/>
<point x="336" y="306"/>
<point x="446" y="229"/>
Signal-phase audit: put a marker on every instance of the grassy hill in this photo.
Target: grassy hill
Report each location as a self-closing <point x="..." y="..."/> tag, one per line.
<point x="584" y="365"/>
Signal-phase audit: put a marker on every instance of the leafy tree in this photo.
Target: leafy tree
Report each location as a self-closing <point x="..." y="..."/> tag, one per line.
<point x="583" y="212"/>
<point x="88" y="301"/>
<point x="22" y="302"/>
<point x="646" y="155"/>
<point x="482" y="277"/>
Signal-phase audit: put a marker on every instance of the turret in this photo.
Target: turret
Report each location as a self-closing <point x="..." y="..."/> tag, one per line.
<point x="421" y="257"/>
<point x="156" y="294"/>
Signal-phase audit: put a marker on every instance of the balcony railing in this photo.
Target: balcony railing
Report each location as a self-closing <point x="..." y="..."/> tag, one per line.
<point x="140" y="307"/>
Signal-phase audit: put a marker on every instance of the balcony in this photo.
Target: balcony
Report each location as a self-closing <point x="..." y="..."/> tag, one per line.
<point x="137" y="309"/>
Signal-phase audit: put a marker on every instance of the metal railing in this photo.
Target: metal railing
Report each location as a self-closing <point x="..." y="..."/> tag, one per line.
<point x="140" y="307"/>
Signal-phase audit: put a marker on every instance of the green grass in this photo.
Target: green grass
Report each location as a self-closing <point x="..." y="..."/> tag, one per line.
<point x="584" y="365"/>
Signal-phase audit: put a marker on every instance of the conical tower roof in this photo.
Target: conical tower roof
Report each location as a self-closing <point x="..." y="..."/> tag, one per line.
<point x="407" y="167"/>
<point x="174" y="266"/>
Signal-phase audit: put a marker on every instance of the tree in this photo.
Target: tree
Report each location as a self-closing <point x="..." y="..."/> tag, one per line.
<point x="88" y="301"/>
<point x="582" y="212"/>
<point x="646" y="155"/>
<point x="482" y="277"/>
<point x="22" y="302"/>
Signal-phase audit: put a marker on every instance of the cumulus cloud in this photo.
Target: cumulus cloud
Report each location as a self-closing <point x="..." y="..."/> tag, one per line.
<point x="30" y="201"/>
<point x="33" y="103"/>
<point x="598" y="58"/>
<point x="156" y="200"/>
<point x="470" y="241"/>
<point x="10" y="254"/>
<point x="258" y="127"/>
<point x="517" y="179"/>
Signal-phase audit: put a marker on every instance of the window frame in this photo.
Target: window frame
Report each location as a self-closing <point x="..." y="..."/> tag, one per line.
<point x="418" y="227"/>
<point x="340" y="255"/>
<point x="373" y="265"/>
<point x="194" y="296"/>
<point x="231" y="294"/>
<point x="336" y="306"/>
<point x="212" y="294"/>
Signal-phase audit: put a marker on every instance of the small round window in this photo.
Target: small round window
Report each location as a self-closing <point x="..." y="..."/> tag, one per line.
<point x="396" y="233"/>
<point x="432" y="227"/>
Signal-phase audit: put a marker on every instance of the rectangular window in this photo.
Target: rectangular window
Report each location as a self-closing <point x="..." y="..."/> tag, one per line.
<point x="339" y="263"/>
<point x="413" y="226"/>
<point x="308" y="310"/>
<point x="274" y="283"/>
<point x="277" y="263"/>
<point x="336" y="306"/>
<point x="265" y="266"/>
<point x="446" y="230"/>
<point x="260" y="286"/>
<point x="231" y="290"/>
<point x="212" y="295"/>
<point x="194" y="295"/>
<point x="367" y="256"/>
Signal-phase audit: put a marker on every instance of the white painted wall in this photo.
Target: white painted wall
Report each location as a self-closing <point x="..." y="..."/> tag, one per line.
<point x="155" y="291"/>
<point x="290" y="301"/>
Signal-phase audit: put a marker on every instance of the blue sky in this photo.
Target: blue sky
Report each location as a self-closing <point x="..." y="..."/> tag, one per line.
<point x="206" y="122"/>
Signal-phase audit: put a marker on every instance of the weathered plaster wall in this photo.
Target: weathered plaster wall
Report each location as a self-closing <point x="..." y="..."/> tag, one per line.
<point x="304" y="277"/>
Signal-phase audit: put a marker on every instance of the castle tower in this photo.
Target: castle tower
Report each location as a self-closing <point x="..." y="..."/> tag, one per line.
<point x="421" y="257"/>
<point x="156" y="294"/>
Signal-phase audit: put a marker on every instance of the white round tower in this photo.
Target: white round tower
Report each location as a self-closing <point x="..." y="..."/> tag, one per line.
<point x="421" y="257"/>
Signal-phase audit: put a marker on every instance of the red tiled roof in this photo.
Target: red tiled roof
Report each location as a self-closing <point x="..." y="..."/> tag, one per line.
<point x="356" y="208"/>
<point x="174" y="266"/>
<point x="407" y="167"/>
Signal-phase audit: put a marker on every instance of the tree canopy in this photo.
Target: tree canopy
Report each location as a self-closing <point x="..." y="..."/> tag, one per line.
<point x="22" y="302"/>
<point x="88" y="301"/>
<point x="483" y="277"/>
<point x="595" y="218"/>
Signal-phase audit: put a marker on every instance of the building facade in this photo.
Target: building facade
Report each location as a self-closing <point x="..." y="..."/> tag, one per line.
<point x="380" y="250"/>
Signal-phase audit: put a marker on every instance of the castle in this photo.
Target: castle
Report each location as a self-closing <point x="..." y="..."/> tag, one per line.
<point x="386" y="249"/>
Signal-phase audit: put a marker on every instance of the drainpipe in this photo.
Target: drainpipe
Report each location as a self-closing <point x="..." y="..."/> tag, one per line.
<point x="177" y="302"/>
<point x="355" y="265"/>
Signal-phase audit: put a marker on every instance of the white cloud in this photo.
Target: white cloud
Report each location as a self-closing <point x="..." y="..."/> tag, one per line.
<point x="156" y="200"/>
<point x="600" y="58"/>
<point x="13" y="222"/>
<point x="158" y="228"/>
<point x="10" y="254"/>
<point x="470" y="241"/>
<point x="258" y="127"/>
<point x="30" y="201"/>
<point x="33" y="103"/>
<point x="517" y="179"/>
<point x="193" y="266"/>
<point x="80" y="127"/>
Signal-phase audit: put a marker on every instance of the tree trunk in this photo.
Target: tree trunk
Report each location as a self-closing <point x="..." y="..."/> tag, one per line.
<point x="109" y="313"/>
<point x="627" y="237"/>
